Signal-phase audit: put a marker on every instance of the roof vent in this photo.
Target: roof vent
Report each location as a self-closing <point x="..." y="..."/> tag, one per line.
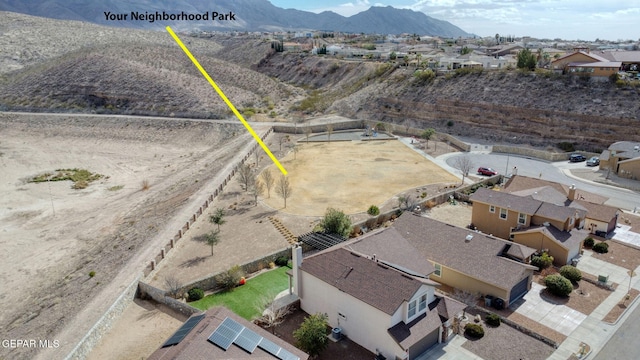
<point x="469" y="237"/>
<point x="636" y="148"/>
<point x="546" y="223"/>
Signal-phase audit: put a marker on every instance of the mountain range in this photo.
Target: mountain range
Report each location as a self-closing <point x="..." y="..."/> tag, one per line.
<point x="251" y="15"/>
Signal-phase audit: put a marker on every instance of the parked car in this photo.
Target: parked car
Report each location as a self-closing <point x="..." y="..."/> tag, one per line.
<point x="594" y="161"/>
<point x="577" y="158"/>
<point x="487" y="171"/>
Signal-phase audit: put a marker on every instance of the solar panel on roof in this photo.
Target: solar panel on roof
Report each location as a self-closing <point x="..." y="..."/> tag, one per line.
<point x="226" y="333"/>
<point x="183" y="331"/>
<point x="248" y="340"/>
<point x="285" y="355"/>
<point x="269" y="346"/>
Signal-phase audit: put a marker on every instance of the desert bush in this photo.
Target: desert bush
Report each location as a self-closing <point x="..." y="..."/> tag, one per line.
<point x="373" y="210"/>
<point x="195" y="294"/>
<point x="588" y="242"/>
<point x="229" y="279"/>
<point x="542" y="261"/>
<point x="92" y="274"/>
<point x="424" y="75"/>
<point x="474" y="330"/>
<point x="355" y="231"/>
<point x="601" y="248"/>
<point x="558" y="285"/>
<point x="492" y="319"/>
<point x="571" y="272"/>
<point x="566" y="146"/>
<point x="145" y="185"/>
<point x="282" y="261"/>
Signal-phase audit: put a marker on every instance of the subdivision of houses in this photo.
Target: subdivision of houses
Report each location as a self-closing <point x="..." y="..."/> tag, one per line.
<point x="379" y="289"/>
<point x="585" y="62"/>
<point x="542" y="217"/>
<point x="622" y="158"/>
<point x="221" y="334"/>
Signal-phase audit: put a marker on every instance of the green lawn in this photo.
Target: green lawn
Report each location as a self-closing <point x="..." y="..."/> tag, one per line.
<point x="244" y="299"/>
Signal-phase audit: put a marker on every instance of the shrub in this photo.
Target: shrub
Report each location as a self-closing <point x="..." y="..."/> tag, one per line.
<point x="571" y="272"/>
<point x="566" y="146"/>
<point x="474" y="330"/>
<point x="282" y="261"/>
<point x="558" y="285"/>
<point x="311" y="335"/>
<point x="92" y="274"/>
<point x="229" y="279"/>
<point x="373" y="210"/>
<point x="543" y="261"/>
<point x="492" y="319"/>
<point x="601" y="247"/>
<point x="195" y="294"/>
<point x="588" y="242"/>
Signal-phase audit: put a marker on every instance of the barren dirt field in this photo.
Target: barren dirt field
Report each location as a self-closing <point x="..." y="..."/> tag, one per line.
<point x="351" y="176"/>
<point x="53" y="236"/>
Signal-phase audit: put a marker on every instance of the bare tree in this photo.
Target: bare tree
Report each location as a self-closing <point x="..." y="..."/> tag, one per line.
<point x="268" y="181"/>
<point x="257" y="155"/>
<point x="245" y="176"/>
<point x="407" y="202"/>
<point x="307" y="132"/>
<point x="282" y="140"/>
<point x="283" y="188"/>
<point x="466" y="298"/>
<point x="272" y="315"/>
<point x="329" y="131"/>
<point x="463" y="163"/>
<point x="295" y="151"/>
<point x="173" y="286"/>
<point x="256" y="189"/>
<point x="211" y="238"/>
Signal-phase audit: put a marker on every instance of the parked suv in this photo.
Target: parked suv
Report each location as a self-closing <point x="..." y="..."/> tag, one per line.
<point x="487" y="171"/>
<point x="594" y="161"/>
<point x="577" y="158"/>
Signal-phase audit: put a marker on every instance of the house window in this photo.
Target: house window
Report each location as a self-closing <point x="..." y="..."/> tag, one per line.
<point x="492" y="209"/>
<point x="503" y="214"/>
<point x="423" y="303"/>
<point x="412" y="310"/>
<point x="438" y="271"/>
<point x="522" y="218"/>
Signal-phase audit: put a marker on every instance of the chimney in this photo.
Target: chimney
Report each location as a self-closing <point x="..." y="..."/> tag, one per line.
<point x="572" y="192"/>
<point x="296" y="260"/>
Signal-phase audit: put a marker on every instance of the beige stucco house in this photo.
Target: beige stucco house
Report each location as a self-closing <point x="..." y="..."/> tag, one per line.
<point x="622" y="158"/>
<point x="586" y="63"/>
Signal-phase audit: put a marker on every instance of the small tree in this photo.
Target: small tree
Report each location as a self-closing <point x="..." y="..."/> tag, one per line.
<point x="526" y="60"/>
<point x="256" y="189"/>
<point x="427" y="134"/>
<point x="212" y="238"/>
<point x="329" y="131"/>
<point x="245" y="176"/>
<point x="268" y="180"/>
<point x="295" y="151"/>
<point x="229" y="279"/>
<point x="173" y="285"/>
<point x="571" y="272"/>
<point x="335" y="222"/>
<point x="283" y="188"/>
<point x="463" y="163"/>
<point x="542" y="261"/>
<point x="272" y="315"/>
<point x="311" y="336"/>
<point x="601" y="248"/>
<point x="218" y="217"/>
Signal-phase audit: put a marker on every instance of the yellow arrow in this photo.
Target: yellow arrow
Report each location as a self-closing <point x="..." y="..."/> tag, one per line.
<point x="226" y="100"/>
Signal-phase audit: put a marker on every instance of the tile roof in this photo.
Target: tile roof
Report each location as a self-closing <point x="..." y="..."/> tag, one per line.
<point x="504" y="200"/>
<point x="478" y="258"/>
<point x="389" y="246"/>
<point x="196" y="346"/>
<point x="371" y="282"/>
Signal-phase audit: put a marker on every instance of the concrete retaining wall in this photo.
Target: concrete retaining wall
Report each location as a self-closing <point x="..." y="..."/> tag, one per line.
<point x="538" y="154"/>
<point x="146" y="291"/>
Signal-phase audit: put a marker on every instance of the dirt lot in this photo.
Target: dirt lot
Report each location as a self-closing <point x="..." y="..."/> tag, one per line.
<point x="458" y="214"/>
<point x="351" y="176"/>
<point x="54" y="236"/>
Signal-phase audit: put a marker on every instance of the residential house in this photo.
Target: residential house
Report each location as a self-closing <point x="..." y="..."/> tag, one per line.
<point x="220" y="334"/>
<point x="623" y="158"/>
<point x="586" y="63"/>
<point x="468" y="260"/>
<point x="387" y="308"/>
<point x="541" y="218"/>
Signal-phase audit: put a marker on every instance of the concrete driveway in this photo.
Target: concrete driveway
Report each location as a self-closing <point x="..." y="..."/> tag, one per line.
<point x="561" y="318"/>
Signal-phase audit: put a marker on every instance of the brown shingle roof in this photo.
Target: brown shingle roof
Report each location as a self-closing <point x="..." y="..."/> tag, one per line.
<point x="373" y="283"/>
<point x="519" y="182"/>
<point x="196" y="346"/>
<point x="555" y="212"/>
<point x="406" y="335"/>
<point x="478" y="258"/>
<point x="526" y="205"/>
<point x="598" y="212"/>
<point x="389" y="246"/>
<point x="568" y="239"/>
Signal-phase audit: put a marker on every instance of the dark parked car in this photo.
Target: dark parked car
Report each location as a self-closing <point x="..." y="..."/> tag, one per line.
<point x="594" y="161"/>
<point x="487" y="171"/>
<point x="577" y="158"/>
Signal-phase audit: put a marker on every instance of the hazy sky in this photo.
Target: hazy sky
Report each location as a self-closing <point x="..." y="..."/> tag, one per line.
<point x="565" y="19"/>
